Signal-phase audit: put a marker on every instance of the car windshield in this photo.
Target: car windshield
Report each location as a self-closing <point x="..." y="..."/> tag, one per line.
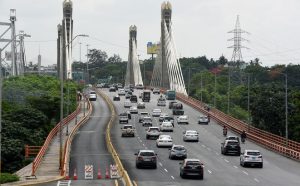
<point x="127" y="127"/>
<point x="232" y="143"/>
<point x="164" y="137"/>
<point x="179" y="148"/>
<point x="147" y="154"/>
<point x="191" y="132"/>
<point x="155" y="110"/>
<point x="144" y="113"/>
<point x="192" y="163"/>
<point x="147" y="119"/>
<point x="253" y="153"/>
<point x="92" y="92"/>
<point x="153" y="130"/>
<point x="123" y="114"/>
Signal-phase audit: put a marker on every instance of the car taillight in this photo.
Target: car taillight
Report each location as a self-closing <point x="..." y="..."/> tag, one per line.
<point x="260" y="156"/>
<point x="140" y="158"/>
<point x="169" y="140"/>
<point x="246" y="156"/>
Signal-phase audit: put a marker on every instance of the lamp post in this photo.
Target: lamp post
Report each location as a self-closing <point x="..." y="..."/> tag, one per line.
<point x="215" y="89"/>
<point x="62" y="92"/>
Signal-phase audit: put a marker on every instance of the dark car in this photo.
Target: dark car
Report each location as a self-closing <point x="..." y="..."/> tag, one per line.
<point x="133" y="98"/>
<point x="178" y="112"/>
<point x="231" y="147"/>
<point x="146" y="158"/>
<point x="191" y="167"/>
<point x="171" y="103"/>
<point x="112" y="89"/>
<point x="128" y="95"/>
<point x="116" y="98"/>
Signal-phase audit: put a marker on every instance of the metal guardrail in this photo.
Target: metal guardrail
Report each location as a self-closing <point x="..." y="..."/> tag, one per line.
<point x="37" y="161"/>
<point x="274" y="142"/>
<point x="110" y="147"/>
<point x="67" y="147"/>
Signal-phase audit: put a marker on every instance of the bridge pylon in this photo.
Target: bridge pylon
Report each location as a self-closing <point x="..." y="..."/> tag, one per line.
<point x="133" y="71"/>
<point x="167" y="70"/>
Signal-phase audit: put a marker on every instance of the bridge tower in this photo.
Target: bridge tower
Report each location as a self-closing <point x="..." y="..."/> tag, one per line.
<point x="167" y="70"/>
<point x="67" y="35"/>
<point x="133" y="71"/>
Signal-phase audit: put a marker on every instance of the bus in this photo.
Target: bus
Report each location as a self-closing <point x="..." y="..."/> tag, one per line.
<point x="170" y="94"/>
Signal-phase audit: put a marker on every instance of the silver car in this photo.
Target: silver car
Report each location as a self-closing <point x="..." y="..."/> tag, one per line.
<point x="190" y="135"/>
<point x="178" y="152"/>
<point x="251" y="158"/>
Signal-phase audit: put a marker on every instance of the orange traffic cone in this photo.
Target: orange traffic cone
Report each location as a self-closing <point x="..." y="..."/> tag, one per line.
<point x="67" y="176"/>
<point x="99" y="174"/>
<point x="75" y="175"/>
<point x="107" y="173"/>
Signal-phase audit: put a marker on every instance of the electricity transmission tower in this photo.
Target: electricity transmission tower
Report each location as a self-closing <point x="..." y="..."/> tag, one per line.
<point x="237" y="42"/>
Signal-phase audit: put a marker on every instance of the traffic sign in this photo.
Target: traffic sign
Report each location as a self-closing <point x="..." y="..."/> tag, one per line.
<point x="88" y="172"/>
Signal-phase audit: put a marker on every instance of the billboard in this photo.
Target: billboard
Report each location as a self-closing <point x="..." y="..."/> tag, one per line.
<point x="152" y="48"/>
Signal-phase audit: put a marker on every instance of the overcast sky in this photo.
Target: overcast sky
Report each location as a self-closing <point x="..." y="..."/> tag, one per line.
<point x="200" y="27"/>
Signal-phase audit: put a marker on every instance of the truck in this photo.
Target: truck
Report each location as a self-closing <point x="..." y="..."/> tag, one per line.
<point x="170" y="94"/>
<point x="146" y="96"/>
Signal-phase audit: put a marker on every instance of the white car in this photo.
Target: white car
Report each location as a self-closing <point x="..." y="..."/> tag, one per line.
<point x="183" y="119"/>
<point x="133" y="110"/>
<point x="141" y="105"/>
<point x="203" y="119"/>
<point x="156" y="112"/>
<point x="190" y="135"/>
<point x="127" y="104"/>
<point x="152" y="132"/>
<point x="162" y="116"/>
<point x="92" y="96"/>
<point x="161" y="103"/>
<point x="251" y="158"/>
<point x="121" y="92"/>
<point x="164" y="141"/>
<point x="166" y="126"/>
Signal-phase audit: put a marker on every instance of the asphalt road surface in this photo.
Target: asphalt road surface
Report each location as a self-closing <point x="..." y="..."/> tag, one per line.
<point x="89" y="146"/>
<point x="219" y="170"/>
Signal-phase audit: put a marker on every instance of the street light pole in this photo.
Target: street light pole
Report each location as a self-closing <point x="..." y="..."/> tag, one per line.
<point x="248" y="104"/>
<point x="201" y="85"/>
<point x="189" y="81"/>
<point x="87" y="63"/>
<point x="286" y="111"/>
<point x="215" y="89"/>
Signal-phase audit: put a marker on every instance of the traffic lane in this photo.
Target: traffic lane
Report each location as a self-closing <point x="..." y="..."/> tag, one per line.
<point x="216" y="171"/>
<point x="275" y="165"/>
<point x="173" y="167"/>
<point x="252" y="180"/>
<point x="89" y="146"/>
<point x="127" y="146"/>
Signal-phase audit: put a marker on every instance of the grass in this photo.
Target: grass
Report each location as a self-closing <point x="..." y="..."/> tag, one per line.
<point x="7" y="177"/>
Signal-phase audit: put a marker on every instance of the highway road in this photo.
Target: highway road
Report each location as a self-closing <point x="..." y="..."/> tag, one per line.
<point x="220" y="170"/>
<point x="89" y="146"/>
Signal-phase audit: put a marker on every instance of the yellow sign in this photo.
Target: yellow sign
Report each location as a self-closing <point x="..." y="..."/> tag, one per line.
<point x="152" y="48"/>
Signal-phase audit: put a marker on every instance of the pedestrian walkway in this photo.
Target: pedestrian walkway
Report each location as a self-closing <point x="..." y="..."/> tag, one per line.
<point x="49" y="167"/>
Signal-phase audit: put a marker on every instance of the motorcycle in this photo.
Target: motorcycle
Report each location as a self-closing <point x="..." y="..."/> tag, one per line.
<point x="224" y="132"/>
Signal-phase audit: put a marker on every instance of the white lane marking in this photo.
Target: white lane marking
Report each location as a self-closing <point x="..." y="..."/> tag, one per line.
<point x="217" y="154"/>
<point x="160" y="164"/>
<point x="166" y="170"/>
<point x="138" y="137"/>
<point x="256" y="180"/>
<point x="226" y="160"/>
<point x="172" y="177"/>
<point x="141" y="141"/>
<point x="208" y="149"/>
<point x="209" y="171"/>
<point x="235" y="166"/>
<point x="245" y="172"/>
<point x="143" y="144"/>
<point x="203" y="145"/>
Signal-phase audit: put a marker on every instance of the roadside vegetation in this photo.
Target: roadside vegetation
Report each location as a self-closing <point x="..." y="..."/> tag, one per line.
<point x="31" y="108"/>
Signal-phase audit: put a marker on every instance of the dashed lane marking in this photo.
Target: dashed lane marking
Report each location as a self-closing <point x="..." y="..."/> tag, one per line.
<point x="235" y="166"/>
<point x="203" y="145"/>
<point x="217" y="154"/>
<point x="209" y="171"/>
<point x="226" y="160"/>
<point x="172" y="177"/>
<point x="160" y="164"/>
<point x="208" y="149"/>
<point x="166" y="170"/>
<point x="255" y="179"/>
<point x="245" y="172"/>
